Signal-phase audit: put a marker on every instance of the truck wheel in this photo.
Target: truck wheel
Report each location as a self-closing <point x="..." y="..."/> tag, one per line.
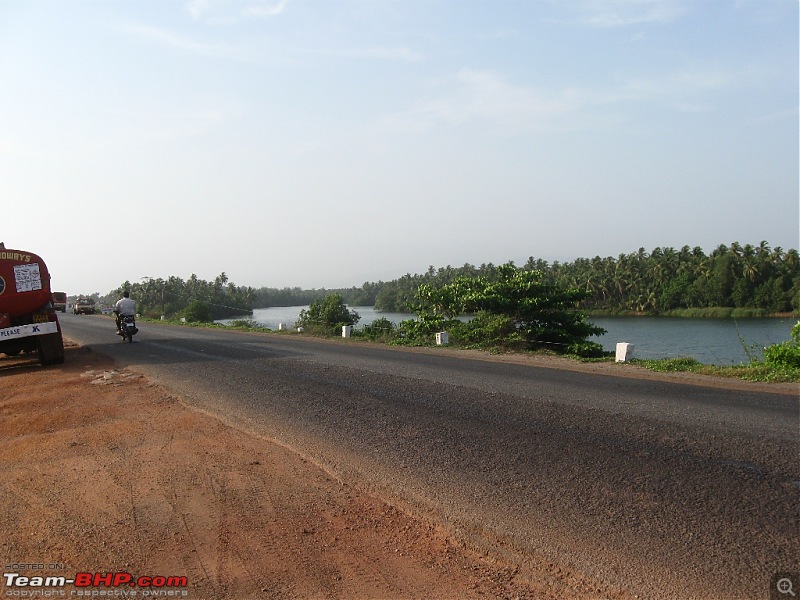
<point x="51" y="349"/>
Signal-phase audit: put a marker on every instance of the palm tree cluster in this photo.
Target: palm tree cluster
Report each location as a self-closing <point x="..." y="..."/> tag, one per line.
<point x="155" y="297"/>
<point x="657" y="282"/>
<point x="665" y="279"/>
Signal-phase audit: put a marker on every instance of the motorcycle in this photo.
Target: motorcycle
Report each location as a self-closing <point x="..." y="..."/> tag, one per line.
<point x="127" y="327"/>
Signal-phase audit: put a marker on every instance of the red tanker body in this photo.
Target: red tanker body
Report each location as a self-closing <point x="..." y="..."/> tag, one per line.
<point x="28" y="320"/>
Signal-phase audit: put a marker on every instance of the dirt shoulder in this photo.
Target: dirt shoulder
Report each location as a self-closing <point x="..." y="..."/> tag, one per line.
<point x="104" y="471"/>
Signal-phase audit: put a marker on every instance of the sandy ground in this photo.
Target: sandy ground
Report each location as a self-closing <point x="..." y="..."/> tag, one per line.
<point x="105" y="472"/>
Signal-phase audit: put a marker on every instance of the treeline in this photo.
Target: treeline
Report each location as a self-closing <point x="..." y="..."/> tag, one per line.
<point x="666" y="279"/>
<point x="655" y="282"/>
<point x="363" y="296"/>
<point x="223" y="299"/>
<point x="173" y="296"/>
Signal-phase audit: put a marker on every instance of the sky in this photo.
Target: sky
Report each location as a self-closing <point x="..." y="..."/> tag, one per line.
<point x="328" y="143"/>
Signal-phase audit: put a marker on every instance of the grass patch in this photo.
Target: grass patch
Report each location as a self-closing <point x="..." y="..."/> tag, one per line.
<point x="754" y="371"/>
<point x="246" y="325"/>
<point x="670" y="365"/>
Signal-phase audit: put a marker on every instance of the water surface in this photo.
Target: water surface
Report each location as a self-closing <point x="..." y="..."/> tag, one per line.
<point x="710" y="341"/>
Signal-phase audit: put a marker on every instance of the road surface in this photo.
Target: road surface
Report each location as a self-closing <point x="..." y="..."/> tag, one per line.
<point x="667" y="490"/>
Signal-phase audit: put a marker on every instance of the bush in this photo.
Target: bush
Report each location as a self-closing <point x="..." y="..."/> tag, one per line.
<point x="420" y="331"/>
<point x="327" y="315"/>
<point x="783" y="355"/>
<point x="380" y="329"/>
<point x="197" y="312"/>
<point x="587" y="349"/>
<point x="487" y="331"/>
<point x="786" y="354"/>
<point x="246" y="324"/>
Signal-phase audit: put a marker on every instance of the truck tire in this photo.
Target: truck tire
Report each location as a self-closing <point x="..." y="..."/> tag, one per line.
<point x="51" y="349"/>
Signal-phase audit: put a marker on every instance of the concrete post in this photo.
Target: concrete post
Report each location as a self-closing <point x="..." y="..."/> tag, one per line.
<point x="624" y="352"/>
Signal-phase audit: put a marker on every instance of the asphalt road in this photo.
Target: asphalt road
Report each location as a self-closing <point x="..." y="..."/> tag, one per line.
<point x="660" y="489"/>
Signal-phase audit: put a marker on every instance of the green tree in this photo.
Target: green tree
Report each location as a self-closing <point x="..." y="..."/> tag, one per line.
<point x="538" y="313"/>
<point x="328" y="314"/>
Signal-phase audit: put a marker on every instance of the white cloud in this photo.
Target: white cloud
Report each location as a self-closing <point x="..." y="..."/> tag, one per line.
<point x="172" y="39"/>
<point x="197" y="8"/>
<point x="678" y="83"/>
<point x="484" y="96"/>
<point x="624" y="13"/>
<point x="187" y="44"/>
<point x="265" y="9"/>
<point x="384" y="53"/>
<point x="218" y="11"/>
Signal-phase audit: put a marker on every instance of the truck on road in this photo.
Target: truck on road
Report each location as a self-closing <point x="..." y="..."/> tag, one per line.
<point x="83" y="306"/>
<point x="60" y="301"/>
<point x="28" y="319"/>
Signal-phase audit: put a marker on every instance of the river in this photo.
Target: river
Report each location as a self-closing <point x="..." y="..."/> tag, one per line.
<point x="710" y="341"/>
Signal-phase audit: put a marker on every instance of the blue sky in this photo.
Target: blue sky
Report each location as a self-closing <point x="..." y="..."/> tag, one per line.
<point x="324" y="143"/>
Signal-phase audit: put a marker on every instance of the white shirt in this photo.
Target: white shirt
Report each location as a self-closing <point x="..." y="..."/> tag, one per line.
<point x="126" y="307"/>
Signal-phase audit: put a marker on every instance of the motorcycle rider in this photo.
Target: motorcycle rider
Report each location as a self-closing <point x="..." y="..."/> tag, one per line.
<point x="125" y="307"/>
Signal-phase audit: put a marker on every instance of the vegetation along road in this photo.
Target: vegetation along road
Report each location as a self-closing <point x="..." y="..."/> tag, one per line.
<point x="669" y="490"/>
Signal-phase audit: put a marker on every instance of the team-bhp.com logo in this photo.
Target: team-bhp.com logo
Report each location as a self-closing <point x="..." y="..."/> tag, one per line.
<point x="87" y="584"/>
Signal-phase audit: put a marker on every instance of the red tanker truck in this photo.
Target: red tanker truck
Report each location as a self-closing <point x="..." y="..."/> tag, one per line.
<point x="28" y="321"/>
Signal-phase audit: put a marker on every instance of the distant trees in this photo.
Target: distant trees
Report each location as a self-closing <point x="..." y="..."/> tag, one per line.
<point x="173" y="296"/>
<point x="363" y="296"/>
<point x="656" y="282"/>
<point x="666" y="279"/>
